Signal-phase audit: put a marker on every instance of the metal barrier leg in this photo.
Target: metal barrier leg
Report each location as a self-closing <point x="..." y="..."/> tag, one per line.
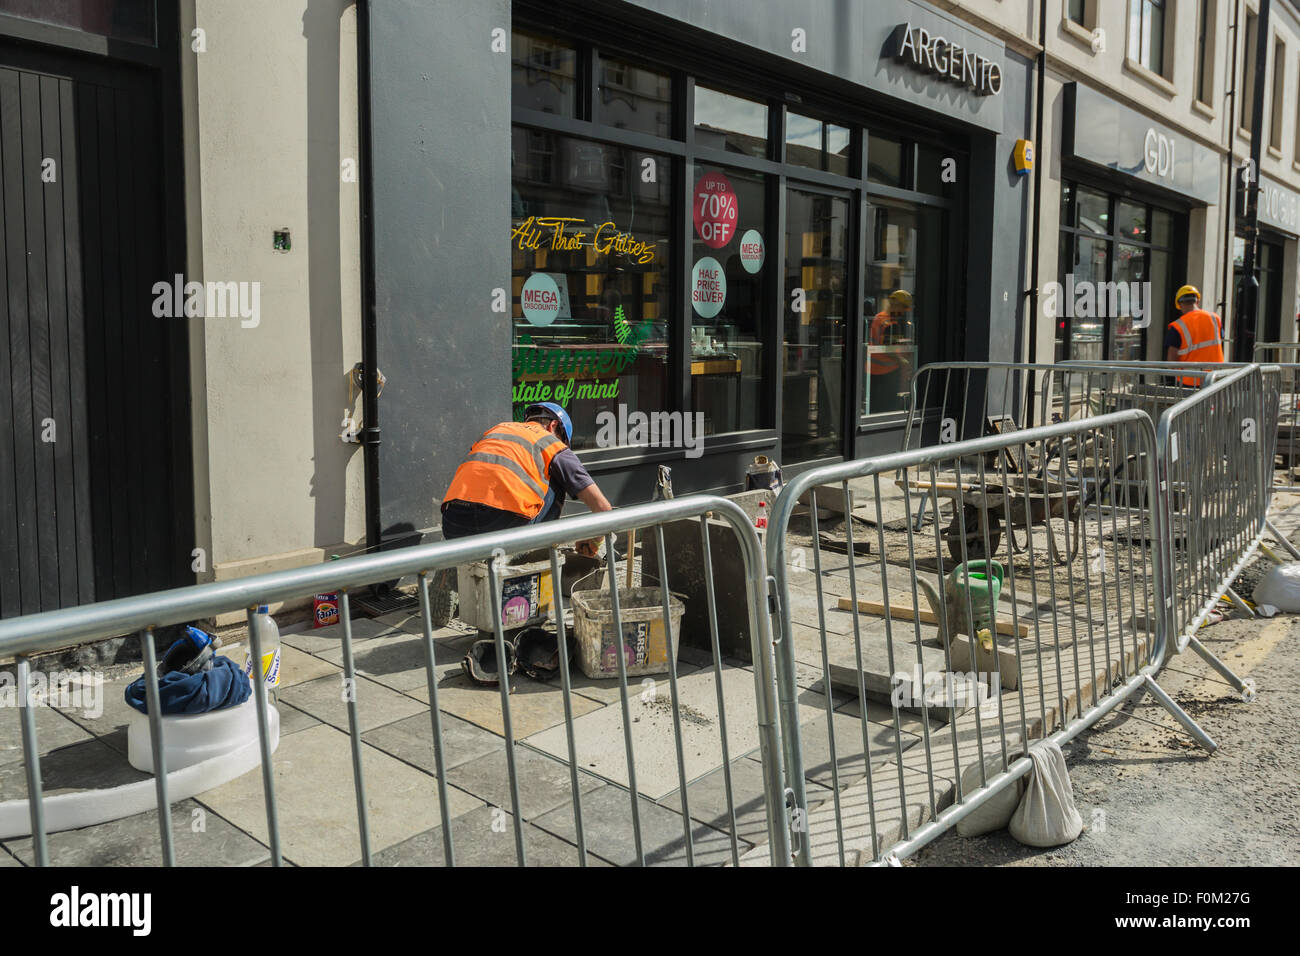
<point x="1208" y="656"/>
<point x="264" y="740"/>
<point x="1282" y="539"/>
<point x="1180" y="715"/>
<point x="152" y="699"/>
<point x="1239" y="604"/>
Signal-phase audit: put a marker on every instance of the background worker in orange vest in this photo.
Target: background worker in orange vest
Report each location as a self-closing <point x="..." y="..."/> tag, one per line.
<point x="890" y="371"/>
<point x="1195" y="336"/>
<point x="517" y="473"/>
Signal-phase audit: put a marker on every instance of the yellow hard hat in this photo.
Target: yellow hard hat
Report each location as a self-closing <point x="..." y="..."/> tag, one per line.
<point x="902" y="297"/>
<point x="1185" y="291"/>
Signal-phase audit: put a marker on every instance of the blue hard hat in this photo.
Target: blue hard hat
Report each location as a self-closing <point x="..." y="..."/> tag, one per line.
<point x="557" y="412"/>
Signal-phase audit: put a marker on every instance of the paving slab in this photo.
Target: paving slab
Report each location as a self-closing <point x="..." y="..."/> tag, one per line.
<point x="53" y="730"/>
<point x="484" y="837"/>
<point x="606" y="689"/>
<point x="397" y="660"/>
<point x="293" y="720"/>
<point x="317" y="802"/>
<point x="849" y="753"/>
<point x="600" y="741"/>
<point x="114" y="715"/>
<point x="543" y="781"/>
<point x="411" y="740"/>
<point x="534" y="705"/>
<point x="376" y="704"/>
<point x="7" y="859"/>
<point x="322" y="639"/>
<point x="607" y="824"/>
<point x="707" y="799"/>
<point x="199" y="838"/>
<point x="87" y="765"/>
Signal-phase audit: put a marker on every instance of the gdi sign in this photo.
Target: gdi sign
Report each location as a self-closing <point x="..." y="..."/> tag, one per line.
<point x="1158" y="153"/>
<point x="941" y="57"/>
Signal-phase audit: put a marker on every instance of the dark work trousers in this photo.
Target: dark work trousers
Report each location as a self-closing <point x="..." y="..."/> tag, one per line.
<point x="463" y="518"/>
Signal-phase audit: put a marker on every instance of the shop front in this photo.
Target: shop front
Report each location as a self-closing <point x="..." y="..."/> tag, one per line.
<point x="720" y="249"/>
<point x="1275" y="268"/>
<point x="1130" y="190"/>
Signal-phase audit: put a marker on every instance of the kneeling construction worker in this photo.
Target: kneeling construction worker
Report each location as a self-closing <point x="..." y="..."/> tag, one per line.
<point x="1195" y="336"/>
<point x="517" y="473"/>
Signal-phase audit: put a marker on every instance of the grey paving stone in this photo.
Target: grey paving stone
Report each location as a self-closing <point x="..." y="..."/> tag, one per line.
<point x="53" y="730"/>
<point x="90" y="764"/>
<point x="707" y="798"/>
<point x="411" y="740"/>
<point x="116" y="711"/>
<point x="397" y="660"/>
<point x="483" y="837"/>
<point x="6" y="858"/>
<point x="324" y="639"/>
<point x="317" y="802"/>
<point x="376" y="704"/>
<point x="543" y="781"/>
<point x="199" y="838"/>
<point x="293" y="720"/>
<point x="607" y="823"/>
<point x="848" y="748"/>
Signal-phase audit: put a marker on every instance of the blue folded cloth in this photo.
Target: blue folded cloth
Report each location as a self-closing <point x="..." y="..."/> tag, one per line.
<point x="225" y="685"/>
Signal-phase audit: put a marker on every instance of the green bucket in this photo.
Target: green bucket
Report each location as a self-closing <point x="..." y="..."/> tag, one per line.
<point x="982" y="580"/>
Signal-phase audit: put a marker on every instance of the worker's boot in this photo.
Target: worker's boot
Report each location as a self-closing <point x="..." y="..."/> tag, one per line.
<point x="442" y="597"/>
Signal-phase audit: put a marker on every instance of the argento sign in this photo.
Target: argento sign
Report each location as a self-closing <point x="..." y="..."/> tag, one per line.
<point x="951" y="61"/>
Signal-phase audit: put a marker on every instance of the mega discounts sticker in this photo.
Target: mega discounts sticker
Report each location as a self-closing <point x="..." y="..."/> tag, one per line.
<point x="540" y="299"/>
<point x="708" y="287"/>
<point x="716" y="209"/>
<point x="752" y="250"/>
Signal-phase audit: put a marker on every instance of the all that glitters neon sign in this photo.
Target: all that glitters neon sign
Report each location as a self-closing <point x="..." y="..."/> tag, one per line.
<point x="570" y="233"/>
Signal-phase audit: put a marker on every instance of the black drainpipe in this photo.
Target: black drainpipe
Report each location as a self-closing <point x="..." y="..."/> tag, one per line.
<point x="369" y="329"/>
<point x="1038" y="208"/>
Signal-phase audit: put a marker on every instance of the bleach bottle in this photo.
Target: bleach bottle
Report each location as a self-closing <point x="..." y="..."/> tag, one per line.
<point x="269" y="632"/>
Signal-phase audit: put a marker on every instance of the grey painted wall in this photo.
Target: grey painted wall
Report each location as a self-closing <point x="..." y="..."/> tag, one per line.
<point x="441" y="142"/>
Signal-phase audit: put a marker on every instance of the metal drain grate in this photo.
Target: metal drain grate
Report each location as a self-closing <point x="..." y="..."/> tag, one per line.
<point x="394" y="600"/>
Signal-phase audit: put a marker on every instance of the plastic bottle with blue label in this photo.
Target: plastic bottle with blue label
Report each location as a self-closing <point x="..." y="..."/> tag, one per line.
<point x="269" y="632"/>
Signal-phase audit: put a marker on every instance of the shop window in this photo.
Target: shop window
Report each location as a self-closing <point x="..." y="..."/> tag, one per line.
<point x="816" y="280"/>
<point x="815" y="144"/>
<point x="903" y="295"/>
<point x="1275" y="113"/>
<point x="543" y="74"/>
<point x="729" y="294"/>
<point x="633" y="97"/>
<point x="1205" y="52"/>
<point x="729" y="123"/>
<point x="119" y="19"/>
<point x="888" y="162"/>
<point x="1114" y="271"/>
<point x="592" y="295"/>
<point x="1146" y="34"/>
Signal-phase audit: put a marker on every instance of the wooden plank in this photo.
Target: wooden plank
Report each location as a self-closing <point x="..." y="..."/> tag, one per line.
<point x="906" y="612"/>
<point x="10" y="586"/>
<point x="63" y="488"/>
<point x="70" y="174"/>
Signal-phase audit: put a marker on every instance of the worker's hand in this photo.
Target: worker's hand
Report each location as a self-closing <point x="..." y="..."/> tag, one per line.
<point x="589" y="548"/>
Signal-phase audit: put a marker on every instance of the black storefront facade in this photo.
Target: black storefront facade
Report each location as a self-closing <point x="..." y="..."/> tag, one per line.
<point x="1279" y="225"/>
<point x="1129" y="188"/>
<point x="759" y="224"/>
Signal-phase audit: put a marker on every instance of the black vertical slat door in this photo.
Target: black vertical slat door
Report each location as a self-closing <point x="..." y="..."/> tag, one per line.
<point x="87" y="373"/>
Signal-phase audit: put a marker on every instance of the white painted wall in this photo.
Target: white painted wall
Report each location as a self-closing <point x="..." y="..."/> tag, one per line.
<point x="270" y="112"/>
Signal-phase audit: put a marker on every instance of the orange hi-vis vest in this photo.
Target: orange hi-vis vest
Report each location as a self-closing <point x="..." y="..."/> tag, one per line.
<point x="508" y="468"/>
<point x="1201" y="336"/>
<point x="878" y="334"/>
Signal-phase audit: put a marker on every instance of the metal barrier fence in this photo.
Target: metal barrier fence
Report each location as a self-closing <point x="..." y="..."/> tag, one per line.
<point x="1071" y="635"/>
<point x="1286" y="459"/>
<point x="756" y="722"/>
<point x="1213" y="446"/>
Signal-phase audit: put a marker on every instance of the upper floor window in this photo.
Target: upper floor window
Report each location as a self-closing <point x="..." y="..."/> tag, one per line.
<point x="1205" y="52"/>
<point x="1076" y="10"/>
<point x="1245" y="110"/>
<point x="1275" y="113"/>
<point x="1146" y="34"/>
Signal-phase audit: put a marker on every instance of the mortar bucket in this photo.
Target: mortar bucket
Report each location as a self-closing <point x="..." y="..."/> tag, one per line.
<point x="983" y="581"/>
